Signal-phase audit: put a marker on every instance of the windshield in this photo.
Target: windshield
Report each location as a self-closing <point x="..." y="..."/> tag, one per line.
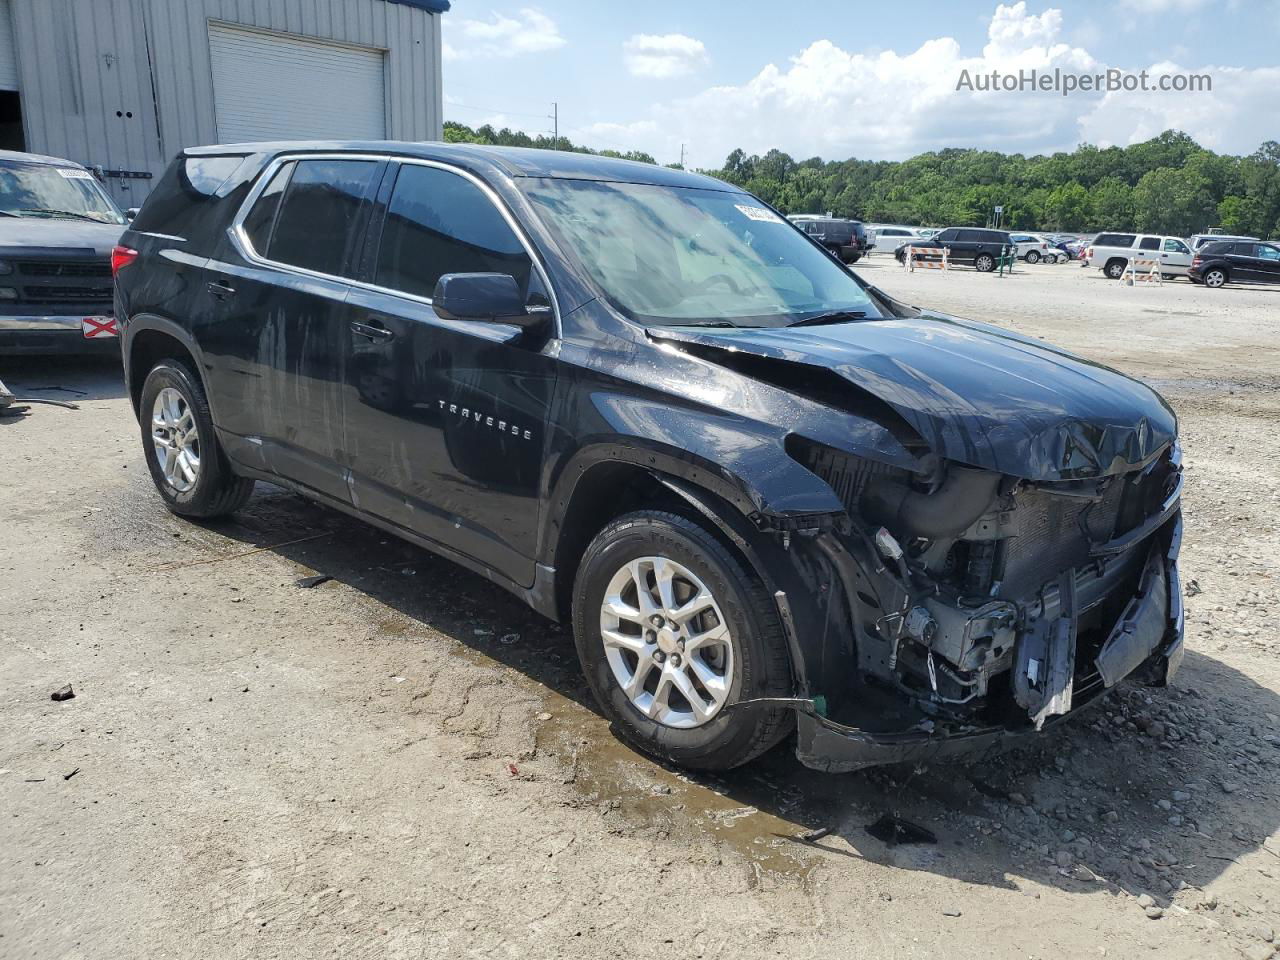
<point x="683" y="256"/>
<point x="40" y="190"/>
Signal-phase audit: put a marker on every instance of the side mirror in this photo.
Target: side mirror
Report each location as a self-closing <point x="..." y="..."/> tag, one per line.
<point x="484" y="296"/>
<point x="131" y="213"/>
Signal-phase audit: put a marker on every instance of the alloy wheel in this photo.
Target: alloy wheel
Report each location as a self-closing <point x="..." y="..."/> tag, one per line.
<point x="1215" y="278"/>
<point x="175" y="439"/>
<point x="667" y="642"/>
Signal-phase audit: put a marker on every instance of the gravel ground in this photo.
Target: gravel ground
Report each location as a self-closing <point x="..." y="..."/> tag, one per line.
<point x="404" y="762"/>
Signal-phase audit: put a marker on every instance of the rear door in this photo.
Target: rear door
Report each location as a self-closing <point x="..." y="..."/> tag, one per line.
<point x="445" y="419"/>
<point x="278" y="317"/>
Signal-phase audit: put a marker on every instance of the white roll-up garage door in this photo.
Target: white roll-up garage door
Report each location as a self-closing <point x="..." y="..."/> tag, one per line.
<point x="276" y="86"/>
<point x="8" y="59"/>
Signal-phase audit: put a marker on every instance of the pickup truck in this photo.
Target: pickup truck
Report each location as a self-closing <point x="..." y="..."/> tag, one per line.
<point x="57" y="228"/>
<point x="1113" y="251"/>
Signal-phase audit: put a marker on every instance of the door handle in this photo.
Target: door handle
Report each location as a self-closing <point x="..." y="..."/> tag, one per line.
<point x="220" y="291"/>
<point x="373" y="331"/>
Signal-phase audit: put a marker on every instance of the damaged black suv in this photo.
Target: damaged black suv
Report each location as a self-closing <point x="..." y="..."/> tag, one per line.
<point x="765" y="494"/>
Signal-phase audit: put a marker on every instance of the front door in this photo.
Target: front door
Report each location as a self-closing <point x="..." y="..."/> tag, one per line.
<point x="276" y="322"/>
<point x="1262" y="265"/>
<point x="446" y="421"/>
<point x="1175" y="257"/>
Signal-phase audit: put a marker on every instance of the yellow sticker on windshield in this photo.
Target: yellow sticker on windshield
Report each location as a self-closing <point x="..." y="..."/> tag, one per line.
<point x="758" y="213"/>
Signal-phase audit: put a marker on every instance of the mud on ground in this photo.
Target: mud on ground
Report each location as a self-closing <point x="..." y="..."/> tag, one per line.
<point x="404" y="762"/>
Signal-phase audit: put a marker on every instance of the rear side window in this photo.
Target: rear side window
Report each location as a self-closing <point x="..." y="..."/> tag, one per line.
<point x="1149" y="243"/>
<point x="316" y="226"/>
<point x="1115" y="240"/>
<point x="968" y="236"/>
<point x="262" y="216"/>
<point x="439" y="222"/>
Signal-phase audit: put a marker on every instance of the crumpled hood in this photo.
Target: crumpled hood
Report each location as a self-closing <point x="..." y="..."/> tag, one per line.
<point x="974" y="393"/>
<point x="38" y="233"/>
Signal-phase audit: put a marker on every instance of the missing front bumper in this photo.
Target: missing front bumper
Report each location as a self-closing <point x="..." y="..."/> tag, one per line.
<point x="1146" y="642"/>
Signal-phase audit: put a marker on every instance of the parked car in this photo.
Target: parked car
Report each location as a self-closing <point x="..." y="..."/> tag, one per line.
<point x="975" y="247"/>
<point x="891" y="236"/>
<point x="847" y="239"/>
<point x="57" y="228"/>
<point x="1242" y="261"/>
<point x="1111" y="252"/>
<point x="765" y="494"/>
<point x="1033" y="248"/>
<point x="1198" y="240"/>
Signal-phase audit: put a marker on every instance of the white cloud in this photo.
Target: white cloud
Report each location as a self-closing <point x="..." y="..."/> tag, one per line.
<point x="830" y="102"/>
<point x="661" y="56"/>
<point x="529" y="31"/>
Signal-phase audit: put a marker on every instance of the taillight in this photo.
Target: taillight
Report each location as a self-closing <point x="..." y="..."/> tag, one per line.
<point x="121" y="257"/>
<point x="1196" y="261"/>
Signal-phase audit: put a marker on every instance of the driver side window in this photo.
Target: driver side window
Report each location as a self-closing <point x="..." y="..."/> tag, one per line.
<point x="1175" y="246"/>
<point x="439" y="222"/>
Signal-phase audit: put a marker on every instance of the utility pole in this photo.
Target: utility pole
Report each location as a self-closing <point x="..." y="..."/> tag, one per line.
<point x="682" y="156"/>
<point x="555" y="118"/>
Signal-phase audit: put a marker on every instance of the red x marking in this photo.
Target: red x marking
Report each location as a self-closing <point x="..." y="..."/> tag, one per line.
<point x="99" y="327"/>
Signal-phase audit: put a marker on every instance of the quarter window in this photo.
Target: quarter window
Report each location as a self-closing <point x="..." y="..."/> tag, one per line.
<point x="257" y="225"/>
<point x="439" y="222"/>
<point x="318" y="221"/>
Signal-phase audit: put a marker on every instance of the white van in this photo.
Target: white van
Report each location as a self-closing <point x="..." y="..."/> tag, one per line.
<point x="1112" y="252"/>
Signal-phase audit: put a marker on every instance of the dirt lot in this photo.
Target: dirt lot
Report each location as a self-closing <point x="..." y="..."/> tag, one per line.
<point x="404" y="762"/>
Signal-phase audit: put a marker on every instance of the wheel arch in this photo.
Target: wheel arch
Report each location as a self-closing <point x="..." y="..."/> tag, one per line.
<point x="150" y="339"/>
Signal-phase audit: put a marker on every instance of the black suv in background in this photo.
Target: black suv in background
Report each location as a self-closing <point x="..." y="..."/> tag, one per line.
<point x="1241" y="261"/>
<point x="57" y="228"/>
<point x="765" y="494"/>
<point x="978" y="248"/>
<point x="847" y="239"/>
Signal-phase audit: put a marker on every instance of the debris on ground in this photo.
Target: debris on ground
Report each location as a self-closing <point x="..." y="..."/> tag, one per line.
<point x="813" y="836"/>
<point x="63" y="693"/>
<point x="68" y="776"/>
<point x="306" y="583"/>
<point x="895" y="831"/>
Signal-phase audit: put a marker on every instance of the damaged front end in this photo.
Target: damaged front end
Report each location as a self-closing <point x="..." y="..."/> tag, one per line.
<point x="982" y="606"/>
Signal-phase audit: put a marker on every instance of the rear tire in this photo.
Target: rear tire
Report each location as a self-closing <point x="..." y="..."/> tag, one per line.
<point x="984" y="263"/>
<point x="1115" y="268"/>
<point x="1215" y="277"/>
<point x="647" y="646"/>
<point x="1033" y="256"/>
<point x="187" y="464"/>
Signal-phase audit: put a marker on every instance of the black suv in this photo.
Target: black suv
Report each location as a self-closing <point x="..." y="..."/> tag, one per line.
<point x="1243" y="261"/>
<point x="847" y="239"/>
<point x="764" y="493"/>
<point x="978" y="248"/>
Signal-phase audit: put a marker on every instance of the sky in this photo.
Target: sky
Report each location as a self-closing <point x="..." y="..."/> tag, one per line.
<point x="874" y="81"/>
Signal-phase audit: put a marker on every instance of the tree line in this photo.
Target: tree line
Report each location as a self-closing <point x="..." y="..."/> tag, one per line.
<point x="1169" y="184"/>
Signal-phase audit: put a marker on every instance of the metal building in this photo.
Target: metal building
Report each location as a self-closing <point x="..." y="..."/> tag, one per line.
<point x="122" y="85"/>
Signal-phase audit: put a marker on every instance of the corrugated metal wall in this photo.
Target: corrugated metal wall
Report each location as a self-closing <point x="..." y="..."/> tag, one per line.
<point x="125" y="84"/>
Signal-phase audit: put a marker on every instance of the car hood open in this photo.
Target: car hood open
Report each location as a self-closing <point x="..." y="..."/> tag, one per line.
<point x="973" y="393"/>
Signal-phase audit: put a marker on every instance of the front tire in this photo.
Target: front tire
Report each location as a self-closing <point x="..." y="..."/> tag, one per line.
<point x="186" y="462"/>
<point x="672" y="630"/>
